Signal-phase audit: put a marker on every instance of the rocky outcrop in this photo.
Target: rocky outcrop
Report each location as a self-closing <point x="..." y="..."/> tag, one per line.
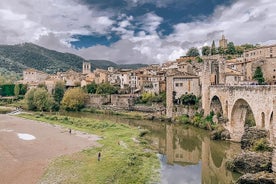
<point x="220" y="133"/>
<point x="250" y="135"/>
<point x="258" y="178"/>
<point x="251" y="162"/>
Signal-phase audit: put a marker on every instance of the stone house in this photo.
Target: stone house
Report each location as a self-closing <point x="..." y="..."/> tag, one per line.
<point x="178" y="84"/>
<point x="33" y="77"/>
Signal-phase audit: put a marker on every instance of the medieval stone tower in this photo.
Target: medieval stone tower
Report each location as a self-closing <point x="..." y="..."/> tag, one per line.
<point x="86" y="68"/>
<point x="223" y="42"/>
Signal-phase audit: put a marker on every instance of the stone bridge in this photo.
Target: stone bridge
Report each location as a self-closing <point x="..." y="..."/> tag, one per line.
<point x="236" y="103"/>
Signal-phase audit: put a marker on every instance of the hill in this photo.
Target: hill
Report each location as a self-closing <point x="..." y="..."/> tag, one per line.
<point x="16" y="58"/>
<point x="104" y="64"/>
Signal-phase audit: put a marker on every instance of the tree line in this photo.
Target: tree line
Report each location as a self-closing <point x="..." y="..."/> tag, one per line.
<point x="231" y="49"/>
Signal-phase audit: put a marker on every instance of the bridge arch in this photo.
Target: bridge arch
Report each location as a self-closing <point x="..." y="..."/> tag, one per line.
<point x="241" y="116"/>
<point x="216" y="106"/>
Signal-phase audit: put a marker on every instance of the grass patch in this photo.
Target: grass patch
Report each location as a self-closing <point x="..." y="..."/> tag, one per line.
<point x="123" y="163"/>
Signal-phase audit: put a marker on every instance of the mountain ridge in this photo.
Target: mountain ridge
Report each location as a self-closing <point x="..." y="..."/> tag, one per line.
<point x="16" y="58"/>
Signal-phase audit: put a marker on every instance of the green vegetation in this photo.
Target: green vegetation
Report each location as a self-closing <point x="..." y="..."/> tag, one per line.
<point x="261" y="145"/>
<point x="206" y="50"/>
<point x="123" y="160"/>
<point x="106" y="88"/>
<point x="213" y="48"/>
<point x="12" y="89"/>
<point x="15" y="58"/>
<point x="192" y="52"/>
<point x="8" y="76"/>
<point x="149" y="98"/>
<point x="74" y="99"/>
<point x="198" y="120"/>
<point x="189" y="99"/>
<point x="258" y="75"/>
<point x="39" y="99"/>
<point x="103" y="64"/>
<point x="58" y="92"/>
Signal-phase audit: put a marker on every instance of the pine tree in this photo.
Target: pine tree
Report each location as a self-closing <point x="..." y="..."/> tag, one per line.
<point x="213" y="48"/>
<point x="258" y="75"/>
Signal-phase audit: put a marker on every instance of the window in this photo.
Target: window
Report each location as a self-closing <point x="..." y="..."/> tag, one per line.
<point x="181" y="84"/>
<point x="176" y="84"/>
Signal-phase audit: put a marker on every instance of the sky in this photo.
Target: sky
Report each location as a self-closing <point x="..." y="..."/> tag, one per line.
<point x="135" y="31"/>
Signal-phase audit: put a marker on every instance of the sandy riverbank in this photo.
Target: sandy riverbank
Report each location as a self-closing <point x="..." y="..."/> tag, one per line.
<point x="27" y="147"/>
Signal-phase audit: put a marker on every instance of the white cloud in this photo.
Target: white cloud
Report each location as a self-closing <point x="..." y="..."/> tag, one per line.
<point x="52" y="23"/>
<point x="243" y="22"/>
<point x="27" y="20"/>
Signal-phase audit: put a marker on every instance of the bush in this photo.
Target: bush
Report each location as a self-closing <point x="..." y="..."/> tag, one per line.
<point x="189" y="99"/>
<point x="39" y="99"/>
<point x="184" y="119"/>
<point x="74" y="99"/>
<point x="261" y="145"/>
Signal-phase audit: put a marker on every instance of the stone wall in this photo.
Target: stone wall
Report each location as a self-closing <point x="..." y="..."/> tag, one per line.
<point x="96" y="100"/>
<point x="123" y="101"/>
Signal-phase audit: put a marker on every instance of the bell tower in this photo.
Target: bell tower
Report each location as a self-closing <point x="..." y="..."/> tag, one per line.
<point x="86" y="68"/>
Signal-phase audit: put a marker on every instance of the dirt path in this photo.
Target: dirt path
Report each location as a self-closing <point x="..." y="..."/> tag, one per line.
<point x="27" y="147"/>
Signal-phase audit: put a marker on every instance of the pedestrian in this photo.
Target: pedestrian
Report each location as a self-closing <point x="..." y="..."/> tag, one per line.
<point x="70" y="131"/>
<point x="99" y="156"/>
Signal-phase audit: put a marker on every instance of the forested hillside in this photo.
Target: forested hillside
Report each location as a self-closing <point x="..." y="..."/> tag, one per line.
<point x="16" y="58"/>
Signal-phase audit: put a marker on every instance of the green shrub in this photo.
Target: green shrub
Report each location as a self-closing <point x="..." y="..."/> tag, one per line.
<point x="184" y="119"/>
<point x="261" y="145"/>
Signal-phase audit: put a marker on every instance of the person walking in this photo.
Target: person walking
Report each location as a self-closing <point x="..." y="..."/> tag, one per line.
<point x="99" y="156"/>
<point x="70" y="131"/>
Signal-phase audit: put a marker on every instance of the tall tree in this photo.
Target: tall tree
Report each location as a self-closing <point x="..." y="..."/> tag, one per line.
<point x="43" y="100"/>
<point x="258" y="75"/>
<point x="16" y="90"/>
<point x="231" y="48"/>
<point x="221" y="51"/>
<point x="59" y="91"/>
<point x="192" y="52"/>
<point x="213" y="48"/>
<point x="91" y="88"/>
<point x="39" y="99"/>
<point x="206" y="50"/>
<point x="74" y="99"/>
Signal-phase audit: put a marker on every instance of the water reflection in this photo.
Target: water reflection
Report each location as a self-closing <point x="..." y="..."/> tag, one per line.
<point x="187" y="154"/>
<point x="191" y="157"/>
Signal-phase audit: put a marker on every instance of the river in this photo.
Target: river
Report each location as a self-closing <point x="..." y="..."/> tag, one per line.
<point x="187" y="155"/>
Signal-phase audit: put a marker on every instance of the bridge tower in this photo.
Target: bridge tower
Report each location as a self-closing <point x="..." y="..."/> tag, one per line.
<point x="206" y="83"/>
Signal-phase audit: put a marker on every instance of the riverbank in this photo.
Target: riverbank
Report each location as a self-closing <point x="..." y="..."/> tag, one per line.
<point x="125" y="155"/>
<point x="27" y="147"/>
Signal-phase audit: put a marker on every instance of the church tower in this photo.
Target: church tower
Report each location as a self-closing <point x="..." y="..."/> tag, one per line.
<point x="86" y="68"/>
<point x="223" y="42"/>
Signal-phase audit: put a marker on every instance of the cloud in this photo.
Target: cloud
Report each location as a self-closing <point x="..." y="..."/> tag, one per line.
<point x="53" y="24"/>
<point x="24" y="20"/>
<point x="242" y="22"/>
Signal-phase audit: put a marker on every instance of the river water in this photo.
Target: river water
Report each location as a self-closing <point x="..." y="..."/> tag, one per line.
<point x="187" y="155"/>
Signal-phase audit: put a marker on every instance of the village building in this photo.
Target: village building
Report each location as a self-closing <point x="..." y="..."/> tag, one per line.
<point x="33" y="77"/>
